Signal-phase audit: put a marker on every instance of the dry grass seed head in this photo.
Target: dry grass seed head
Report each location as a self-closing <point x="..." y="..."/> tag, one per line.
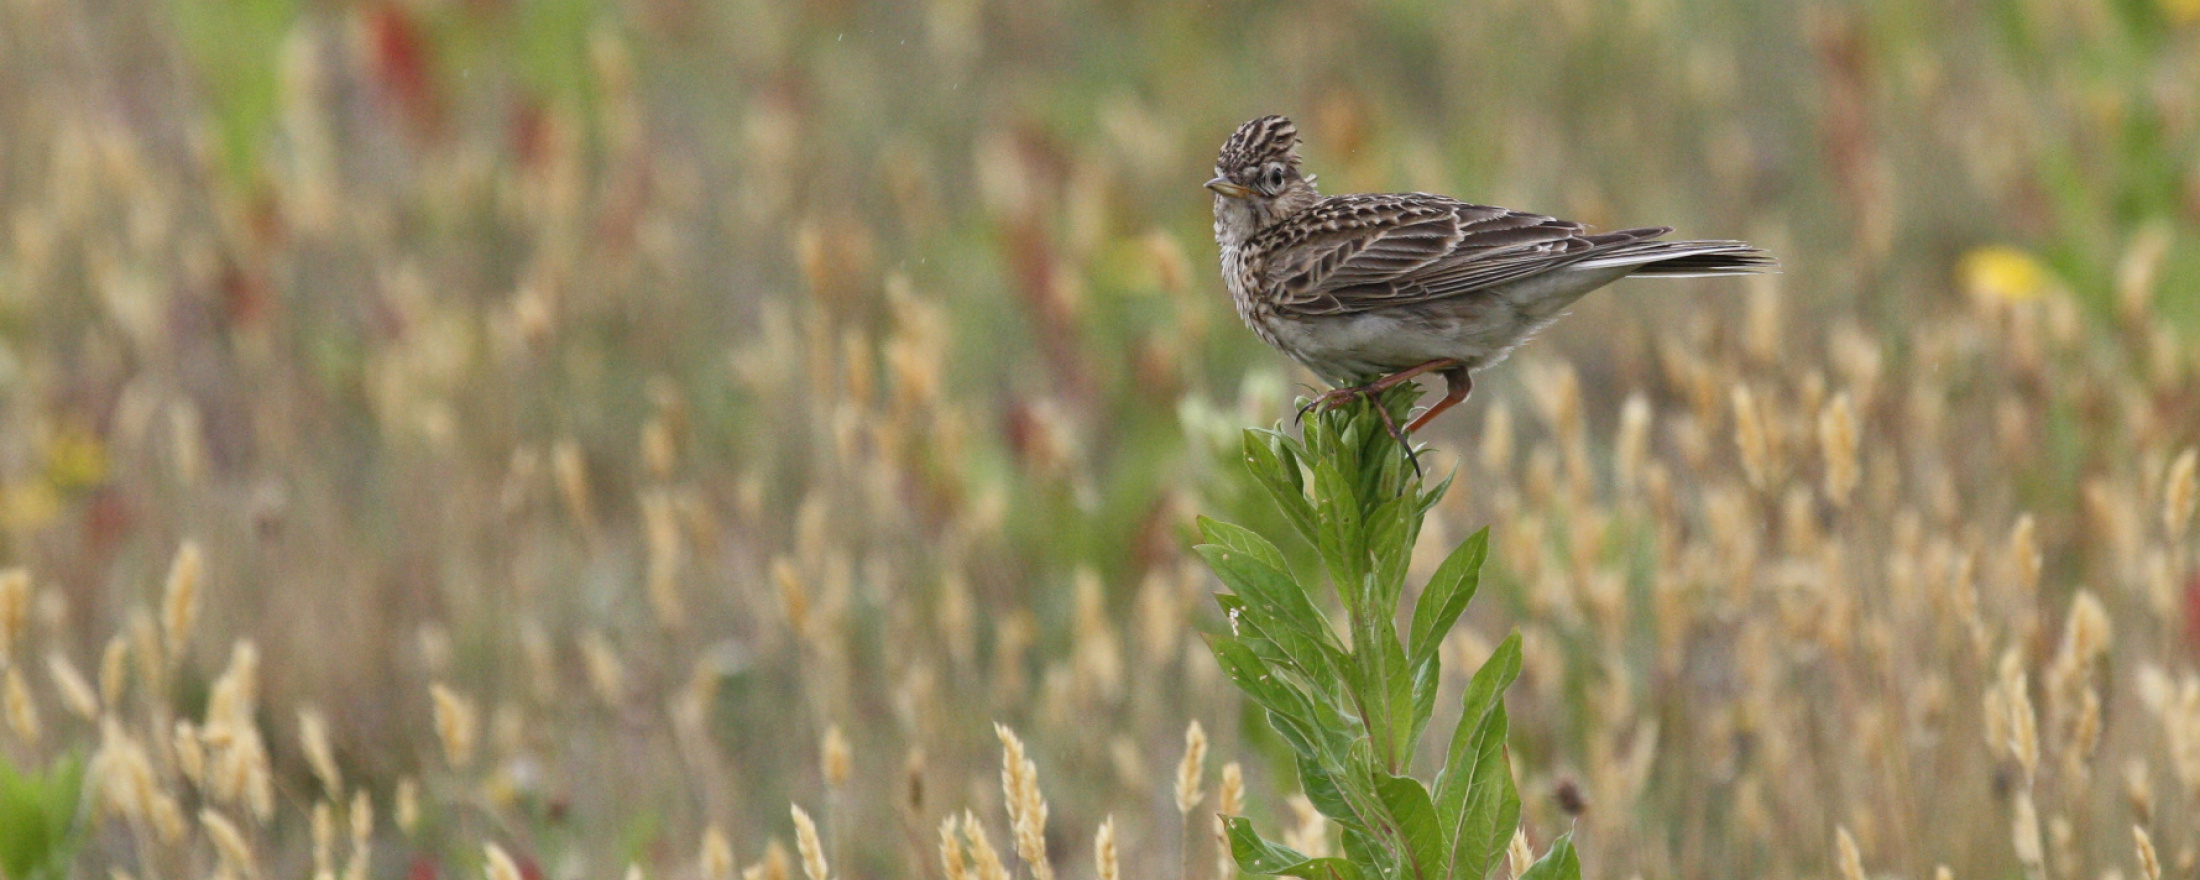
<point x="984" y="859"/>
<point x="1104" y="860"/>
<point x="714" y="860"/>
<point x="806" y="842"/>
<point x="774" y="865"/>
<point x="605" y="673"/>
<point x="498" y="865"/>
<point x="570" y="470"/>
<point x="666" y="558"/>
<point x="1190" y="770"/>
<point x="313" y="740"/>
<point x="951" y="850"/>
<point x="833" y="757"/>
<point x="1837" y="443"/>
<point x="114" y="669"/>
<point x="2150" y="864"/>
<point x="22" y="713"/>
<point x="457" y="726"/>
<point x="120" y="774"/>
<point x="1751" y="438"/>
<point x="15" y="604"/>
<point x="2139" y="789"/>
<point x="1027" y="808"/>
<point x="2024" y="832"/>
<point x="793" y="596"/>
<point x="362" y="836"/>
<point x="179" y="604"/>
<point x="2024" y="555"/>
<point x="1849" y="859"/>
<point x="2087" y="633"/>
<point x="1229" y="801"/>
<point x="230" y="844"/>
<point x="2179" y="491"/>
<point x="407" y="809"/>
<point x="1518" y="854"/>
<point x="76" y="693"/>
<point x="1631" y="444"/>
<point x="2024" y="737"/>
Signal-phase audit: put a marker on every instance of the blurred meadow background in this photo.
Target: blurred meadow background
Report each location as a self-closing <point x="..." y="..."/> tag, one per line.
<point x="589" y="427"/>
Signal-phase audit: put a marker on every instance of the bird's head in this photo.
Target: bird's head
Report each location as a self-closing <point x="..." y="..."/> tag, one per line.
<point x="1257" y="178"/>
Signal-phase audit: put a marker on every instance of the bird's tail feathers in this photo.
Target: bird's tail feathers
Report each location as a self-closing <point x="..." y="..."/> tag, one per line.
<point x="1686" y="259"/>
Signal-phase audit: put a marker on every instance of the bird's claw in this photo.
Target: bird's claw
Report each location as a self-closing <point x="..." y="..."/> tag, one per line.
<point x="1337" y="397"/>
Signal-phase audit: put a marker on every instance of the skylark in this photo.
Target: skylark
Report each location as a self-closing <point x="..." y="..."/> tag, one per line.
<point x="1372" y="290"/>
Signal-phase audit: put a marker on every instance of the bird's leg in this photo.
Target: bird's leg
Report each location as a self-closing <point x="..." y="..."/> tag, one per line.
<point x="1458" y="383"/>
<point x="1337" y="397"/>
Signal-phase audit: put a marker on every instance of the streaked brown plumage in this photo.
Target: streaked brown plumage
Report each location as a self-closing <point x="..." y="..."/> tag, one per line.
<point x="1381" y="288"/>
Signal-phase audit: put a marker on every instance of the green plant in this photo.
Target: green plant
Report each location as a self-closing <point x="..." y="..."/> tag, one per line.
<point x="38" y="819"/>
<point x="1353" y="704"/>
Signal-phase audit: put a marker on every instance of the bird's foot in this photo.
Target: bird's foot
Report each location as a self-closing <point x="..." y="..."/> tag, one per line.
<point x="1337" y="397"/>
<point x="1333" y="398"/>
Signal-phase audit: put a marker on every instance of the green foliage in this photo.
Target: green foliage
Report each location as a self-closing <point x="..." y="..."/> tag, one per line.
<point x="1353" y="702"/>
<point x="38" y="820"/>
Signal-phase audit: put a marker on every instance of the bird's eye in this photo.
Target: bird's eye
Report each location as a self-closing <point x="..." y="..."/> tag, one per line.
<point x="1275" y="178"/>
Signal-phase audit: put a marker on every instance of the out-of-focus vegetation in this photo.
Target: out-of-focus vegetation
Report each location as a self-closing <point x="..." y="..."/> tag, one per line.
<point x="584" y="428"/>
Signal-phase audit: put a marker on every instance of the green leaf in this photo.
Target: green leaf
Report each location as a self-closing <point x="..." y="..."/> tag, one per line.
<point x="1447" y="595"/>
<point x="1363" y="850"/>
<point x="1489" y="808"/>
<point x="1427" y="678"/>
<point x="1414" y="817"/>
<point x="1475" y="796"/>
<point x="1319" y="780"/>
<point x="1243" y="540"/>
<point x="1483" y="695"/>
<point x="1391" y="529"/>
<point x="1254" y="677"/>
<point x="1270" y="591"/>
<point x="1560" y="863"/>
<point x="1278" y="472"/>
<point x="1342" y="539"/>
<point x="36" y="815"/>
<point x="1257" y="856"/>
<point x="1398" y="687"/>
<point x="1275" y="609"/>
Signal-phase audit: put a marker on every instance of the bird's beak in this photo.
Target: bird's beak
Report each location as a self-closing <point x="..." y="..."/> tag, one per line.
<point x="1223" y="187"/>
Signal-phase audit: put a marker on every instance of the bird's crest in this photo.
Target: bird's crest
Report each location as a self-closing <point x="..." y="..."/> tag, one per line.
<point x="1256" y="143"/>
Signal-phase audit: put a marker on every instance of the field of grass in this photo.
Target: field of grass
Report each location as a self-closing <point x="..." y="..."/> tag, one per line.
<point x="550" y="438"/>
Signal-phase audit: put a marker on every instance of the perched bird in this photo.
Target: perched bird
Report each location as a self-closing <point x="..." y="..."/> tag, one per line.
<point x="1372" y="290"/>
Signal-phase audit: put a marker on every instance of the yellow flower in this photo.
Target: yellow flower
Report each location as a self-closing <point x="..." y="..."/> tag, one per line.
<point x="2001" y="272"/>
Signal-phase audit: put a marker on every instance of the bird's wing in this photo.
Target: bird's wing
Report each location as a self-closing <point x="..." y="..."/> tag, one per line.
<point x="1355" y="253"/>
